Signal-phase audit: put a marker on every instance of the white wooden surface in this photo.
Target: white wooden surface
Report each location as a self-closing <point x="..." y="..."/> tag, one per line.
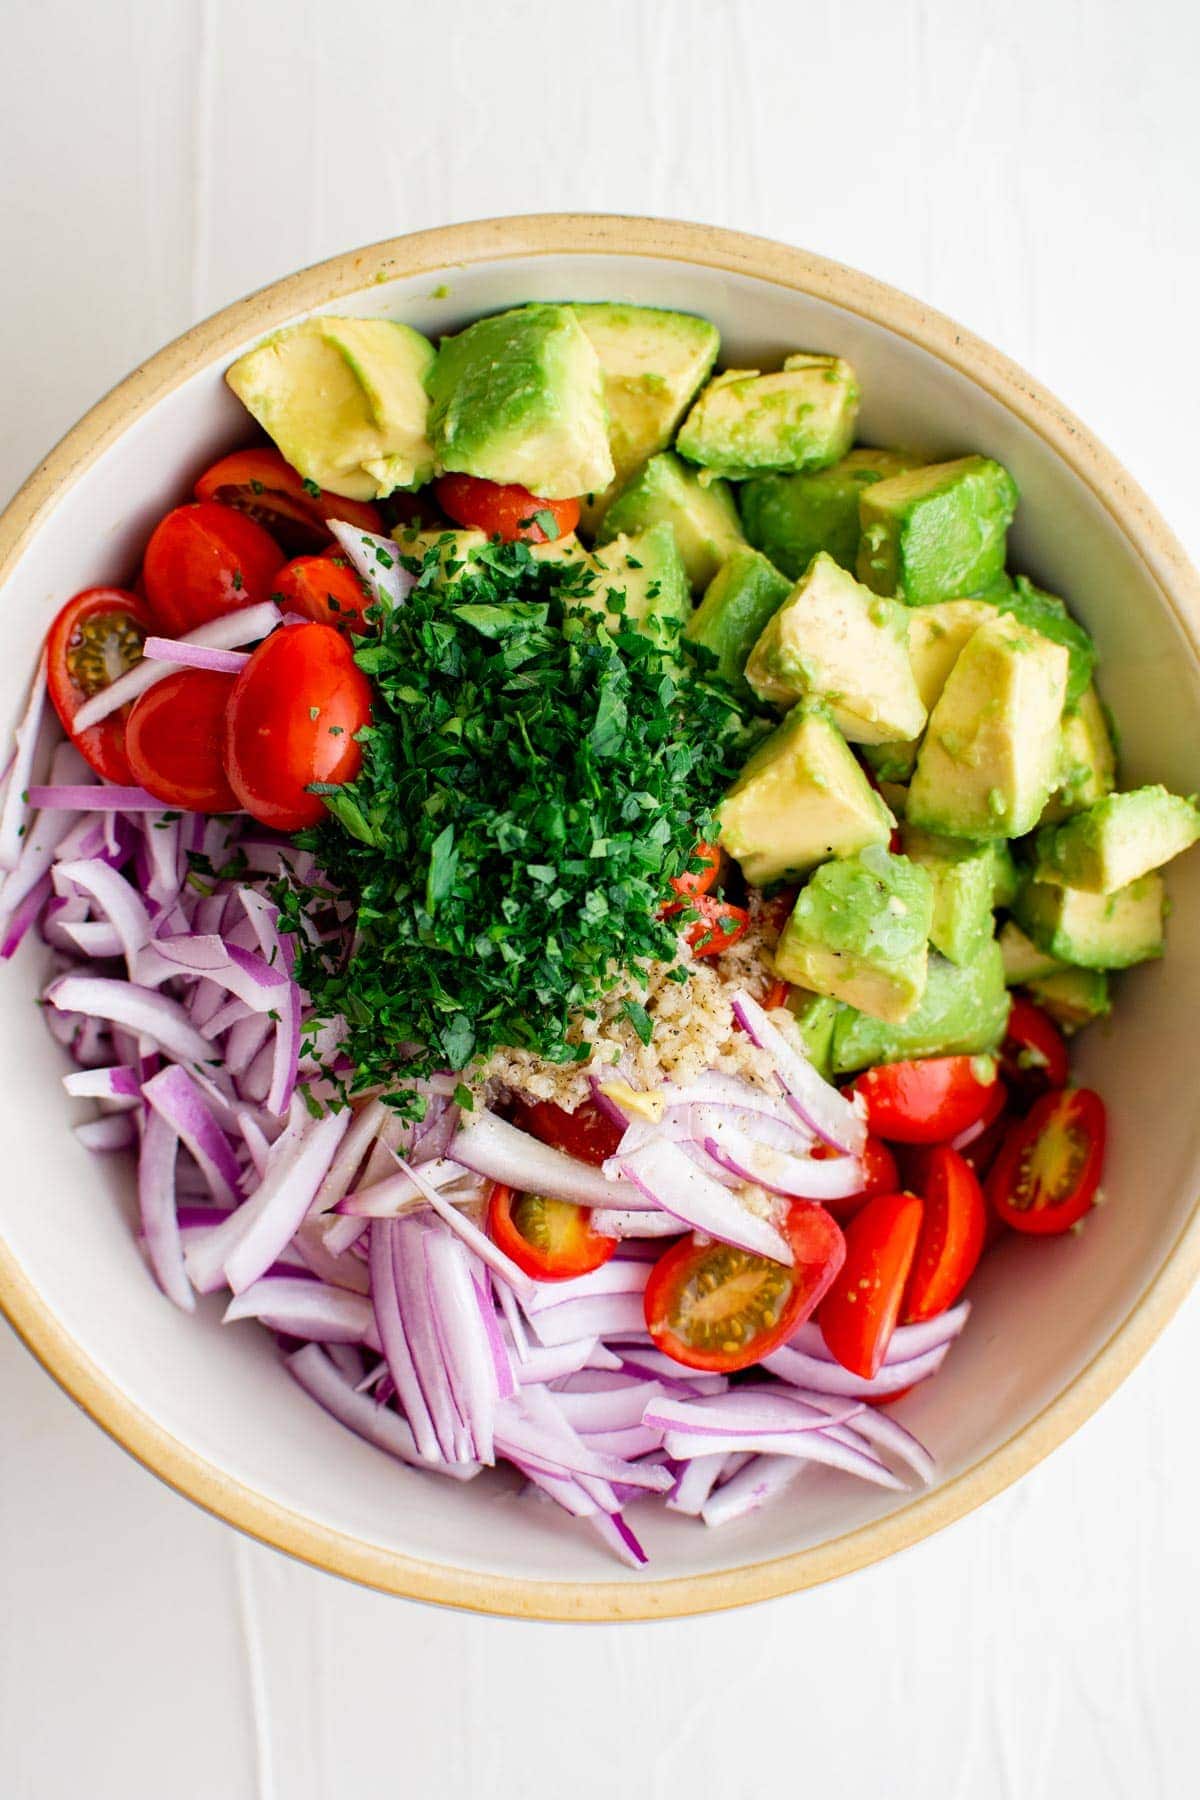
<point x="1028" y="168"/>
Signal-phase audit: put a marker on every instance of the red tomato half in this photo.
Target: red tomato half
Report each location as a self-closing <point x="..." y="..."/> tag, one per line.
<point x="586" y="1133"/>
<point x="776" y="995"/>
<point x="326" y="590"/>
<point x="952" y="1236"/>
<point x="929" y="1101"/>
<point x="1034" y="1056"/>
<point x="859" y="1313"/>
<point x="175" y="738"/>
<point x="698" y="881"/>
<point x="552" y="1240"/>
<point x="205" y="560"/>
<point x="1047" y="1173"/>
<point x="96" y="637"/>
<point x="504" y="511"/>
<point x="261" y="484"/>
<point x="291" y="721"/>
<point x="880" y="1176"/>
<point x="713" y="1307"/>
<point x="718" y="928"/>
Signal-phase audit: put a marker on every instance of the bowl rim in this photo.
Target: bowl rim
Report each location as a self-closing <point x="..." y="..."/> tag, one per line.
<point x="439" y="251"/>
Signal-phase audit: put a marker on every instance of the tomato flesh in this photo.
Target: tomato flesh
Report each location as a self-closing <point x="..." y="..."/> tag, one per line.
<point x="880" y="1176"/>
<point x="259" y="483"/>
<point x="95" y="637"/>
<point x="952" y="1236"/>
<point x="927" y="1101"/>
<point x="326" y="590"/>
<point x="1049" y="1167"/>
<point x="504" y="510"/>
<point x="860" y="1311"/>
<point x="587" y="1133"/>
<point x="776" y="996"/>
<point x="711" y="1306"/>
<point x="205" y="560"/>
<point x="1034" y="1055"/>
<point x="552" y="1240"/>
<point x="175" y="740"/>
<point x="698" y="881"/>
<point x="719" y="927"/>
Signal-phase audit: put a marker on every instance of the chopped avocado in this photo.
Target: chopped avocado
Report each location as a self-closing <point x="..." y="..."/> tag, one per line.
<point x="737" y="605"/>
<point x="1116" y="840"/>
<point x="345" y="401"/>
<point x="895" y="795"/>
<point x="1073" y="997"/>
<point x="704" y="519"/>
<point x="963" y="1012"/>
<point x="859" y="931"/>
<point x="990" y="755"/>
<point x="964" y="884"/>
<point x="1023" y="961"/>
<point x="1005" y="879"/>
<point x="459" y="546"/>
<point x="791" y="517"/>
<point x="1087" y="764"/>
<point x="1096" y="931"/>
<point x="833" y="640"/>
<point x="642" y="581"/>
<point x="892" y="764"/>
<point x="519" y="398"/>
<point x="936" y="636"/>
<point x="815" y="1015"/>
<point x="936" y="533"/>
<point x="652" y="363"/>
<point x="801" y="798"/>
<point x="1047" y="614"/>
<point x="800" y="418"/>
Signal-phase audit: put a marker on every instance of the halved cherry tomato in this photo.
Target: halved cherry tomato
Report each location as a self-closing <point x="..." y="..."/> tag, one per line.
<point x="713" y="1307"/>
<point x="586" y="1133"/>
<point x="552" y="1240"/>
<point x="175" y="738"/>
<point x="929" y="1101"/>
<point x="260" y="483"/>
<point x="776" y="995"/>
<point x="1034" y="1055"/>
<point x="698" y="881"/>
<point x="859" y="1313"/>
<point x="504" y="510"/>
<point x="291" y="721"/>
<point x="1047" y="1173"/>
<point x="952" y="1234"/>
<point x="96" y="637"/>
<point x="718" y="928"/>
<point x="325" y="589"/>
<point x="205" y="560"/>
<point x="880" y="1176"/>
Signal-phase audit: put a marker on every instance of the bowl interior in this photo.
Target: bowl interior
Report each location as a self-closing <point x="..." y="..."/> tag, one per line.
<point x="1042" y="1310"/>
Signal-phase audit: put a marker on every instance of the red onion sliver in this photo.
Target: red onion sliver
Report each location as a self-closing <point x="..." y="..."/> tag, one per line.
<point x="244" y="626"/>
<point x="194" y="656"/>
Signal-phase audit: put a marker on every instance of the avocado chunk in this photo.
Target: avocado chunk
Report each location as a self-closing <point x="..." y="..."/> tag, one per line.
<point x="964" y="890"/>
<point x="792" y="517"/>
<point x="834" y="640"/>
<point x="815" y="1016"/>
<point x="1023" y="961"/>
<point x="1073" y="997"/>
<point x="859" y="931"/>
<point x="963" y="1012"/>
<point x="345" y="401"/>
<point x="738" y="603"/>
<point x="936" y="533"/>
<point x="652" y="362"/>
<point x="801" y="798"/>
<point x="936" y="635"/>
<point x="519" y="397"/>
<point x="990" y="755"/>
<point x="1005" y="879"/>
<point x="1116" y="840"/>
<point x="1048" y="616"/>
<point x="1087" y="764"/>
<point x="460" y="547"/>
<point x="802" y="417"/>
<point x="642" y="582"/>
<point x="704" y="519"/>
<point x="1095" y="931"/>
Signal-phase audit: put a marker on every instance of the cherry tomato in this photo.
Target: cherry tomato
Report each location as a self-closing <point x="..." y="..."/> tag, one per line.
<point x="859" y="1313"/>
<point x="291" y="721"/>
<point x="1034" y="1055"/>
<point x="698" y="881"/>
<point x="718" y="928"/>
<point x="552" y="1240"/>
<point x="261" y="484"/>
<point x="175" y="737"/>
<point x="1049" y="1168"/>
<point x="713" y="1307"/>
<point x="776" y="995"/>
<point x="325" y="589"/>
<point x="880" y="1176"/>
<point x="204" y="560"/>
<point x="586" y="1133"/>
<point x="507" y="512"/>
<point x="952" y="1234"/>
<point x="929" y="1101"/>
<point x="94" y="638"/>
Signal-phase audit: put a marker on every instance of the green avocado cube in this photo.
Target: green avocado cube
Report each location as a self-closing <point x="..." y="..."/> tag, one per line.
<point x="519" y="397"/>
<point x="1048" y="616"/>
<point x="738" y="603"/>
<point x="964" y="890"/>
<point x="859" y="932"/>
<point x="1005" y="878"/>
<point x="801" y="417"/>
<point x="1073" y="997"/>
<point x="892" y="764"/>
<point x="792" y="517"/>
<point x="1087" y="763"/>
<point x="1023" y="961"/>
<point x="936" y="533"/>
<point x="1116" y="840"/>
<point x="1095" y="931"/>
<point x="834" y="640"/>
<point x="800" y="799"/>
<point x="989" y="757"/>
<point x="815" y="1016"/>
<point x="704" y="519"/>
<point x="641" y="581"/>
<point x="963" y="1012"/>
<point x="936" y="636"/>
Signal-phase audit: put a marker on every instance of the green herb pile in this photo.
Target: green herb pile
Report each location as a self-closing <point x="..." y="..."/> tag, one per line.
<point x="531" y="781"/>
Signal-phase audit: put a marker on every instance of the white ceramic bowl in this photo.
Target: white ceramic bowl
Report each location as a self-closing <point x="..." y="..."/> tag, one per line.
<point x="1057" y="1324"/>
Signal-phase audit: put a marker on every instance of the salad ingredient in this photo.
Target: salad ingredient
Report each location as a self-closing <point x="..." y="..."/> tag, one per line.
<point x="859" y="1313"/>
<point x="1087" y="762"/>
<point x="243" y="627"/>
<point x="588" y="1133"/>
<point x="815" y="1016"/>
<point x="259" y="482"/>
<point x="326" y="590"/>
<point x="792" y="518"/>
<point x="879" y="1176"/>
<point x="1117" y="841"/>
<point x="800" y="417"/>
<point x="1047" y="614"/>
<point x="1096" y="931"/>
<point x="345" y="401"/>
<point x="96" y="637"/>
<point x="1034" y="1057"/>
<point x="702" y="872"/>
<point x="964" y="890"/>
<point x="710" y="1306"/>
<point x="291" y="723"/>
<point x="1073" y="997"/>
<point x="506" y="512"/>
<point x="204" y="560"/>
<point x="175" y="739"/>
<point x="937" y="635"/>
<point x="737" y="606"/>
<point x="962" y="1011"/>
<point x="952" y="1236"/>
<point x="1046" y="1175"/>
<point x="719" y="927"/>
<point x="929" y="1101"/>
<point x="938" y="532"/>
<point x="859" y="932"/>
<point x="552" y="1240"/>
<point x="642" y="585"/>
<point x="702" y="516"/>
<point x="671" y="1180"/>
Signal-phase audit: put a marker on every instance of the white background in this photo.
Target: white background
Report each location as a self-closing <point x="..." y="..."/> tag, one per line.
<point x="1031" y="169"/>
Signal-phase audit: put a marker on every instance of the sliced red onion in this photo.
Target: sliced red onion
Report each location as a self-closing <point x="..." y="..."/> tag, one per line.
<point x="632" y="1441"/>
<point x="139" y="1009"/>
<point x="338" y="1271"/>
<point x="737" y="1095"/>
<point x="561" y="1450"/>
<point x="807" y="1446"/>
<point x="23" y="916"/>
<point x="614" y="1222"/>
<point x="14" y="814"/>
<point x="672" y="1375"/>
<point x="493" y="1147"/>
<point x="421" y="1329"/>
<point x="756" y="1410"/>
<point x="610" y="1409"/>
<point x="377" y="561"/>
<point x="89" y="798"/>
<point x="195" y="656"/>
<point x="762" y="1478"/>
<point x="174" y="1096"/>
<point x="547" y="1362"/>
<point x="362" y="1415"/>
<point x="801" y="1178"/>
<point x="303" y="1308"/>
<point x="474" y="1379"/>
<point x="249" y="977"/>
<point x="695" y="1483"/>
<point x="475" y="1240"/>
<point x="608" y="1316"/>
<point x="506" y="1381"/>
<point x="399" y="1193"/>
<point x="280" y="953"/>
<point x="614" y="1277"/>
<point x="666" y="1177"/>
<point x="118" y="1083"/>
<point x="156" y="1204"/>
<point x="831" y="1116"/>
<point x="396" y="1349"/>
<point x="619" y="1536"/>
<point x="112" y="1131"/>
<point x="886" y="1433"/>
<point x="830" y="1377"/>
<point x="905" y="1342"/>
<point x="361" y="1134"/>
<point x="245" y="626"/>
